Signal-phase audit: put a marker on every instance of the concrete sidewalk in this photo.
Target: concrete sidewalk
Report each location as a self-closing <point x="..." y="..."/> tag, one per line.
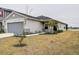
<point x="3" y="35"/>
<point x="35" y="34"/>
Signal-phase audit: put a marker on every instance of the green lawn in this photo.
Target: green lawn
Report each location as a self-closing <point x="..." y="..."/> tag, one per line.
<point x="47" y="44"/>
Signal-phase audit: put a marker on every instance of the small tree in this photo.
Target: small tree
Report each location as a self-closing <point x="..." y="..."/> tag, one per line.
<point x="52" y="23"/>
<point x="21" y="39"/>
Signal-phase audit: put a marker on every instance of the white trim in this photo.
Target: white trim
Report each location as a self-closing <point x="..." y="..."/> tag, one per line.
<point x="13" y="12"/>
<point x="20" y="14"/>
<point x="9" y="15"/>
<point x="26" y="17"/>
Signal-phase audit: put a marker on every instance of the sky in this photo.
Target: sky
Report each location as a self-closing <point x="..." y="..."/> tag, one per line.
<point x="67" y="13"/>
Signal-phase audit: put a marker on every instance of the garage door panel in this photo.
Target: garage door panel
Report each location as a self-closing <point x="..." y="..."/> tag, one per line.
<point x="16" y="28"/>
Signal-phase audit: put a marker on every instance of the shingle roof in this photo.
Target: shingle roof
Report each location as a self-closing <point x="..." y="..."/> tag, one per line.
<point x="44" y="18"/>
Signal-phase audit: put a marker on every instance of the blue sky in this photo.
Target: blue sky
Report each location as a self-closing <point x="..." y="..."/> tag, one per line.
<point x="68" y="13"/>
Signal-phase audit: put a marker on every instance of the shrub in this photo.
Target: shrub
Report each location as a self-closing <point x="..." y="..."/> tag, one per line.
<point x="1" y="31"/>
<point x="59" y="31"/>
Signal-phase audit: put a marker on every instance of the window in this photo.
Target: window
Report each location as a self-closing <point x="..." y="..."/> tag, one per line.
<point x="46" y="27"/>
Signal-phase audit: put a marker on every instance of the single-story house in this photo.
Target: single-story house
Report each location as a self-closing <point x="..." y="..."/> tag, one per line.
<point x="15" y="22"/>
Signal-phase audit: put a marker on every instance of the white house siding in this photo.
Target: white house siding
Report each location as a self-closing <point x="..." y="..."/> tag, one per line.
<point x="13" y="18"/>
<point x="33" y="26"/>
<point x="28" y="25"/>
<point x="49" y="30"/>
<point x="61" y="26"/>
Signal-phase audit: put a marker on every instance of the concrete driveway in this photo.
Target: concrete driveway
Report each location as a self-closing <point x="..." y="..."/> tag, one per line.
<point x="3" y="35"/>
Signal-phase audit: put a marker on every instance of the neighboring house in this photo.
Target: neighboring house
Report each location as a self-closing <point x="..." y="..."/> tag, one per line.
<point x="15" y="22"/>
<point x="3" y="13"/>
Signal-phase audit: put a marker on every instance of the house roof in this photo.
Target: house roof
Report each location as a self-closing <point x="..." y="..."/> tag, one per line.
<point x="45" y="18"/>
<point x="33" y="18"/>
<point x="39" y="18"/>
<point x="26" y="15"/>
<point x="9" y="10"/>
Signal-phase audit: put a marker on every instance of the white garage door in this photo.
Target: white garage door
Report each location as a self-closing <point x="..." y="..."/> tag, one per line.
<point x="16" y="28"/>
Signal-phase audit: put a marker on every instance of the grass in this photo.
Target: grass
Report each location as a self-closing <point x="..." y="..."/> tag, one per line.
<point x="66" y="43"/>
